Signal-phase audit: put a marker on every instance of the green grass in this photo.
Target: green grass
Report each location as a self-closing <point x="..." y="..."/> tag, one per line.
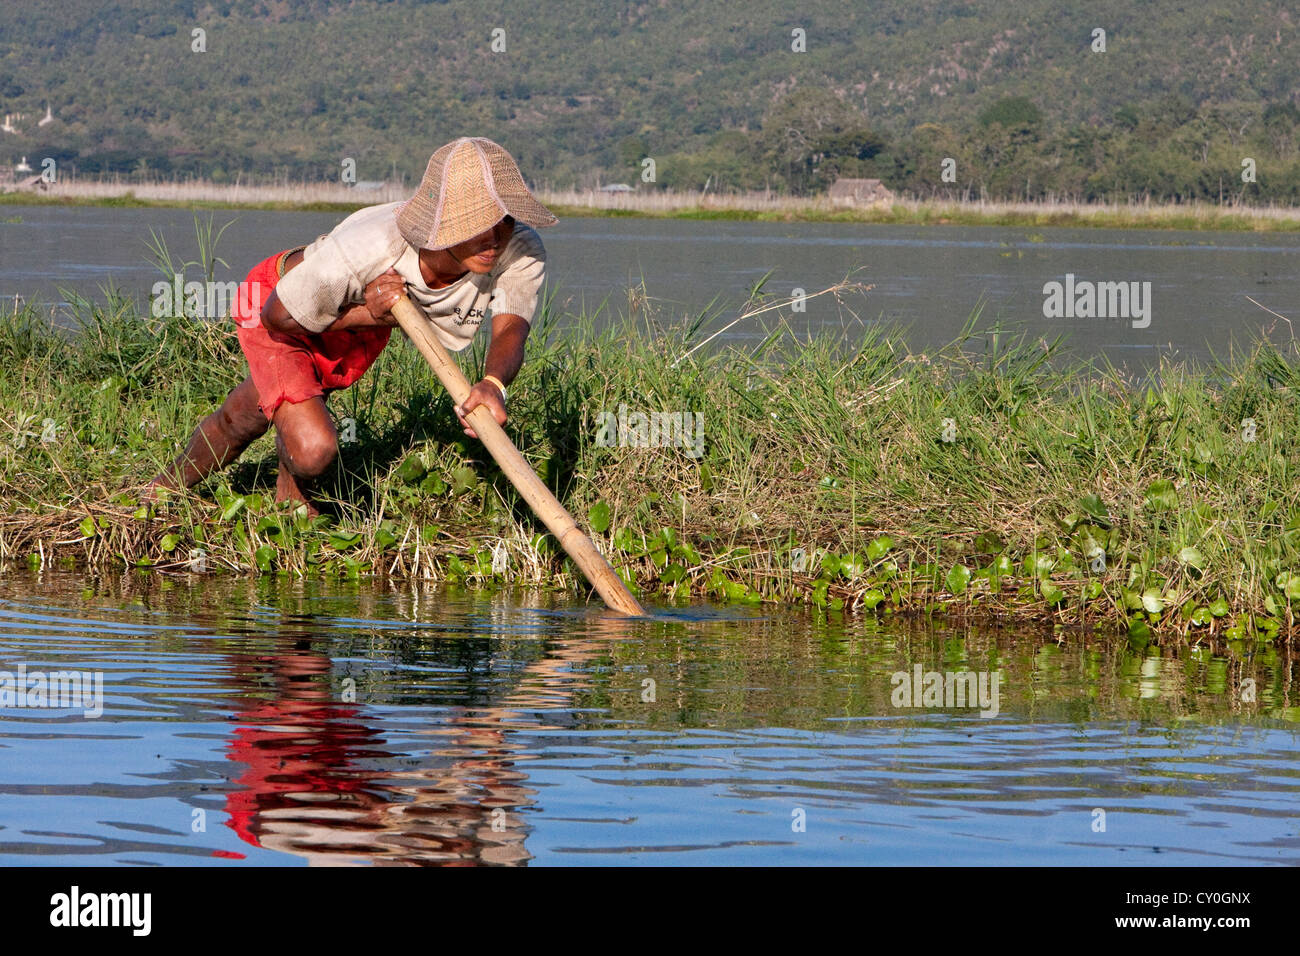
<point x="826" y="475"/>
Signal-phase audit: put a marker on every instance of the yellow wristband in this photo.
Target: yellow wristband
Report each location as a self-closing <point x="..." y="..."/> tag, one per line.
<point x="499" y="384"/>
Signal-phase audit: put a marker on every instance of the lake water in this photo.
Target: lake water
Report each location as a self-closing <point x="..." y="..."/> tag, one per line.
<point x="929" y="279"/>
<point x="265" y="722"/>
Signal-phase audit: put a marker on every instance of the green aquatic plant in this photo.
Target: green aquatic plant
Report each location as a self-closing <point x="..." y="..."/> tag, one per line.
<point x="1067" y="494"/>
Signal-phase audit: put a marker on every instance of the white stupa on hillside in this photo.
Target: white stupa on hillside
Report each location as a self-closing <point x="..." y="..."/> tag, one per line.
<point x="47" y="118"/>
<point x="22" y="166"/>
<point x="9" y="125"/>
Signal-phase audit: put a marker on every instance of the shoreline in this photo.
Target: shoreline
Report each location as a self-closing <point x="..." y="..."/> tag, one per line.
<point x="663" y="205"/>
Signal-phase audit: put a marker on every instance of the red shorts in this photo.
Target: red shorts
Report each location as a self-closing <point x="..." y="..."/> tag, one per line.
<point x="318" y="365"/>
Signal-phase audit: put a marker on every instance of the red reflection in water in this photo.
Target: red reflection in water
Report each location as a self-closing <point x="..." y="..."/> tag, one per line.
<point x="306" y="791"/>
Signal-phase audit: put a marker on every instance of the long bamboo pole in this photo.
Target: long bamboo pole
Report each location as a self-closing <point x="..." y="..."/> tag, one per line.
<point x="544" y="504"/>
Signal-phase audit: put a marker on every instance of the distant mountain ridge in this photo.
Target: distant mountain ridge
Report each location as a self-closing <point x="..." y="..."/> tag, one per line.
<point x="583" y="90"/>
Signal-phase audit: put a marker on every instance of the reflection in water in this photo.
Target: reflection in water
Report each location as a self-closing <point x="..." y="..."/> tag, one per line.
<point x="307" y="792"/>
<point x="255" y="722"/>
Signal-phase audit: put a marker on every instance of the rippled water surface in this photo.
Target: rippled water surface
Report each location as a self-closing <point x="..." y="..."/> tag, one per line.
<point x="278" y="723"/>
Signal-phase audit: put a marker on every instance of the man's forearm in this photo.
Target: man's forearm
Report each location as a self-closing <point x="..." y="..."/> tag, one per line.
<point x="505" y="353"/>
<point x="276" y="318"/>
<point x="359" y="317"/>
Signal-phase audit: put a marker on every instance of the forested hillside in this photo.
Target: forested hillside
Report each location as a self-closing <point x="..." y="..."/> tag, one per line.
<point x="714" y="92"/>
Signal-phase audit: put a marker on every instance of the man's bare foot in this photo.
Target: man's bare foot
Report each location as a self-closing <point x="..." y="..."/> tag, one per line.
<point x="288" y="489"/>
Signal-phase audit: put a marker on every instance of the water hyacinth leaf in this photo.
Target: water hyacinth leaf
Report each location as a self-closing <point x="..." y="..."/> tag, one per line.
<point x="87" y="528"/>
<point x="852" y="566"/>
<point x="672" y="574"/>
<point x="686" y="553"/>
<point x="411" y="470"/>
<point x="463" y="479"/>
<point x="433" y="485"/>
<point x="989" y="542"/>
<point x="170" y="541"/>
<point x="1193" y="558"/>
<point x="1152" y="602"/>
<point x="385" y="539"/>
<point x="1139" y="631"/>
<point x="1161" y="496"/>
<point x="599" y="517"/>
<point x="625" y="539"/>
<point x="828" y="481"/>
<point x="1202" y="616"/>
<point x="878" y="548"/>
<point x="1219" y="608"/>
<point x="1052" y="593"/>
<point x="1093" y="590"/>
<point x="342" y="540"/>
<point x="958" y="578"/>
<point x="234" y="508"/>
<point x="831" y="564"/>
<point x="1002" y="566"/>
<point x="265" y="557"/>
<point x="871" y="599"/>
<point x="1095" y="508"/>
<point x="1289" y="584"/>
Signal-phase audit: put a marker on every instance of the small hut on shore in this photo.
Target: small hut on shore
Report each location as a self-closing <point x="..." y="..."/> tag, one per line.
<point x="860" y="192"/>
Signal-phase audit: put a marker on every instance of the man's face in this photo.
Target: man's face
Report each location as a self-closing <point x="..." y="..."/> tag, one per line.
<point x="479" y="255"/>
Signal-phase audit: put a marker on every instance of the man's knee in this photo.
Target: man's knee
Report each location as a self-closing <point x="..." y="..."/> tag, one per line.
<point x="308" y="452"/>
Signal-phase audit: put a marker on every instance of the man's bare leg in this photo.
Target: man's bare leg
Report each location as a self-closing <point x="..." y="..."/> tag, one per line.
<point x="304" y="437"/>
<point x="219" y="440"/>
<point x="307" y="442"/>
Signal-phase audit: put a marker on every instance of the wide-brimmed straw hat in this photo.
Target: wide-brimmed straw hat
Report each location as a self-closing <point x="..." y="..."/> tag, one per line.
<point x="469" y="186"/>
